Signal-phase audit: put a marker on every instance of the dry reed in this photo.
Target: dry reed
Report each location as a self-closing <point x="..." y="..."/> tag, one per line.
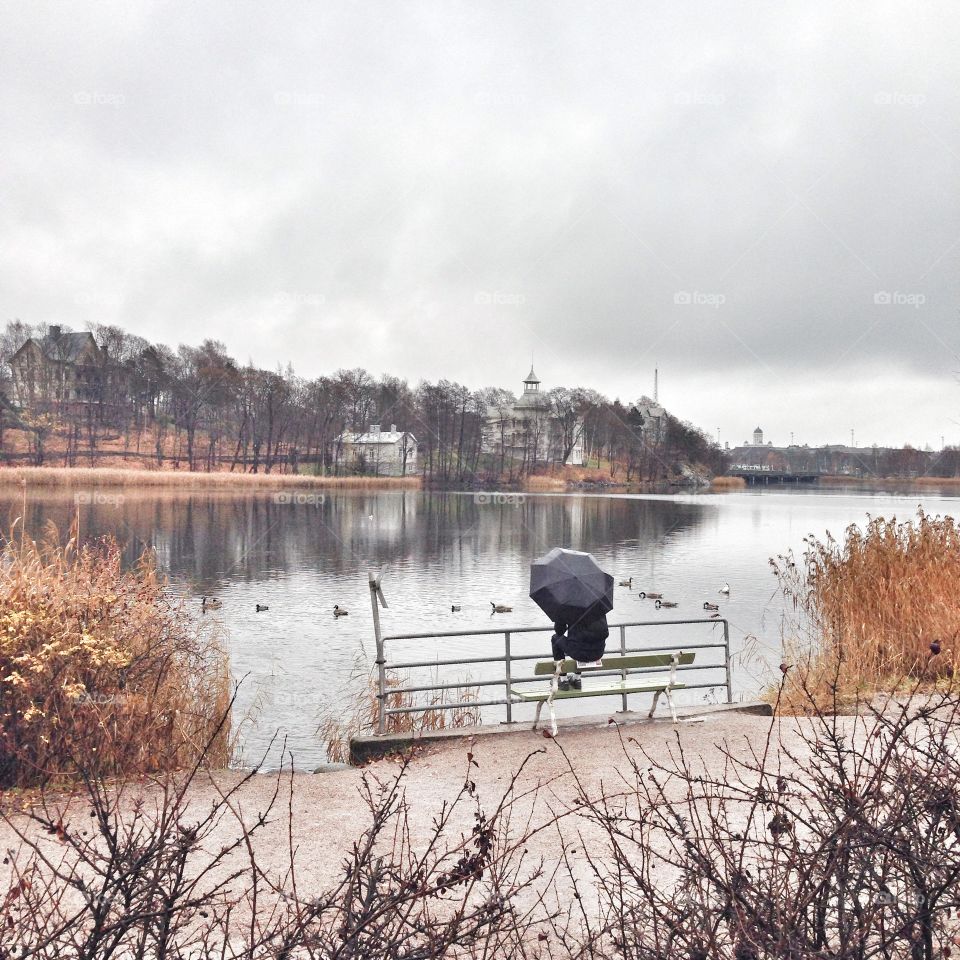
<point x="107" y="477"/>
<point x="545" y="483"/>
<point x="874" y="612"/>
<point x="100" y="670"/>
<point x="364" y="712"/>
<point x="728" y="483"/>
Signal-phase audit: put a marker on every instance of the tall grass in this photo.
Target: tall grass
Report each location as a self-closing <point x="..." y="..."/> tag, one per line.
<point x="868" y="608"/>
<point x="728" y="483"/>
<point x="337" y="728"/>
<point x="109" y="477"/>
<point x="100" y="670"/>
<point x="539" y="482"/>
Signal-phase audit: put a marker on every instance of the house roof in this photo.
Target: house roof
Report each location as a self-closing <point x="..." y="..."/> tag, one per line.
<point x="532" y="400"/>
<point x="650" y="411"/>
<point x="531" y="377"/>
<point x="384" y="437"/>
<point x="67" y="347"/>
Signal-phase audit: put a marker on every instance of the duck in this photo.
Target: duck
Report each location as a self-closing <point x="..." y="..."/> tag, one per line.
<point x="339" y="611"/>
<point x="650" y="596"/>
<point x="210" y="603"/>
<point x="262" y="608"/>
<point x="454" y="608"/>
<point x="500" y="608"/>
<point x="725" y="588"/>
<point x="707" y="605"/>
<point x="714" y="616"/>
<point x="665" y="603"/>
<point x="627" y="583"/>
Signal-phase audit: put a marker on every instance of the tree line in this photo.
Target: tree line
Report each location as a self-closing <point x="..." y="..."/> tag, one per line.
<point x="199" y="408"/>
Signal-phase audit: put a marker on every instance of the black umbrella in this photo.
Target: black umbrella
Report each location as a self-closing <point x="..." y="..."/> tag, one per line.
<point x="570" y="587"/>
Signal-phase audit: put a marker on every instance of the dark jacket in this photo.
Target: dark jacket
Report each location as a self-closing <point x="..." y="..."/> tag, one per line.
<point x="585" y="641"/>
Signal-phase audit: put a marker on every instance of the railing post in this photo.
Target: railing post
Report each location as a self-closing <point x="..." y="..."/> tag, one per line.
<point x="506" y="653"/>
<point x="726" y="660"/>
<point x="375" y="597"/>
<point x="623" y="673"/>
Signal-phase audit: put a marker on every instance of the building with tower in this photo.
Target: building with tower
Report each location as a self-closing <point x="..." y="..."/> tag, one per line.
<point x="531" y="431"/>
<point x="758" y="437"/>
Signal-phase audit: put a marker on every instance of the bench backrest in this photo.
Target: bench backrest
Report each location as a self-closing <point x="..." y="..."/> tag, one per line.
<point x="628" y="662"/>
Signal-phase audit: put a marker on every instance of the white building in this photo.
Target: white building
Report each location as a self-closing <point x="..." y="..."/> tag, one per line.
<point x="383" y="453"/>
<point x="529" y="431"/>
<point x="757" y="440"/>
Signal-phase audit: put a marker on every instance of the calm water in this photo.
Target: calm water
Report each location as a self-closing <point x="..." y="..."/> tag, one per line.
<point x="441" y="549"/>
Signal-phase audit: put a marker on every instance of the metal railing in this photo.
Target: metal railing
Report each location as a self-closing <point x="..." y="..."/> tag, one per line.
<point x="509" y="659"/>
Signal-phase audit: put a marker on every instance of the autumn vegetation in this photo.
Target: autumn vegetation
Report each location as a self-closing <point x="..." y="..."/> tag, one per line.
<point x="361" y="715"/>
<point x="100" y="670"/>
<point x="873" y="611"/>
<point x="196" y="408"/>
<point x="837" y="841"/>
<point x="134" y="480"/>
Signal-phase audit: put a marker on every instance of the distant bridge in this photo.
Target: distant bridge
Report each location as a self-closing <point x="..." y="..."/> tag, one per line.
<point x="758" y="475"/>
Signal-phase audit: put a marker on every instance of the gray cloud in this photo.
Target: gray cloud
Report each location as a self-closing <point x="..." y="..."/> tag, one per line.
<point x="762" y="201"/>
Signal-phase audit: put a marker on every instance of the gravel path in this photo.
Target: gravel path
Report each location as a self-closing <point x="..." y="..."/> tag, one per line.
<point x="328" y="813"/>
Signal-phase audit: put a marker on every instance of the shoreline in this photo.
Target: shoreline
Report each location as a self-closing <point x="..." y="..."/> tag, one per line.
<point x="57" y="477"/>
<point x="838" y="480"/>
<point x="883" y="482"/>
<point x="54" y="477"/>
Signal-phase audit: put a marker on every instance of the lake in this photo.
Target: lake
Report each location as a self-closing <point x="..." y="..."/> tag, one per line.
<point x="442" y="549"/>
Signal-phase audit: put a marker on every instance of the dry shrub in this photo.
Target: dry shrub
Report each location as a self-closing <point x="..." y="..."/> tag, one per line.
<point x="364" y="712"/>
<point x="867" y="610"/>
<point x="99" y="668"/>
<point x="840" y="841"/>
<point x="147" y="874"/>
<point x="831" y="837"/>
<point x="728" y="483"/>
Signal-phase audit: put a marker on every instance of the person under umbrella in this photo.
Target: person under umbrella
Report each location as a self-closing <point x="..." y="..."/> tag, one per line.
<point x="583" y="641"/>
<point x="570" y="587"/>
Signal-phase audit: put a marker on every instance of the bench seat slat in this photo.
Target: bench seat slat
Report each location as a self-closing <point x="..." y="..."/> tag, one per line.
<point x="637" y="685"/>
<point x="628" y="662"/>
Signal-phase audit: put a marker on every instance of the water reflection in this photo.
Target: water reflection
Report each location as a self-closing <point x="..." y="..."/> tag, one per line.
<point x="441" y="549"/>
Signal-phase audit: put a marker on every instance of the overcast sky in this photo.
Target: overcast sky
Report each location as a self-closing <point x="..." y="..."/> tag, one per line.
<point x="761" y="200"/>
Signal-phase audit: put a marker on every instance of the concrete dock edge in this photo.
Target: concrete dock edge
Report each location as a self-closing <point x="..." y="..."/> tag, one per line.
<point x="364" y="749"/>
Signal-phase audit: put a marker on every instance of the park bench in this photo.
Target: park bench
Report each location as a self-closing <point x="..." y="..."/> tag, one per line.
<point x="658" y="684"/>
